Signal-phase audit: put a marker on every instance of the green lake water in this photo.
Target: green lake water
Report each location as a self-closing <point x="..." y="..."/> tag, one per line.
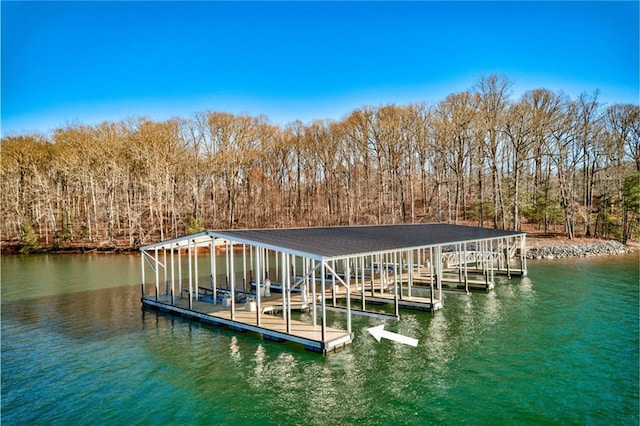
<point x="560" y="346"/>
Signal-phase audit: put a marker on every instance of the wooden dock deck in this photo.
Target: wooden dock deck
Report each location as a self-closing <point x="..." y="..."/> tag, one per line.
<point x="272" y="327"/>
<point x="404" y="301"/>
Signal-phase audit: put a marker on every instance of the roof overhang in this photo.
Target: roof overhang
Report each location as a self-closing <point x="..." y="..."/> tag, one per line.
<point x="326" y="243"/>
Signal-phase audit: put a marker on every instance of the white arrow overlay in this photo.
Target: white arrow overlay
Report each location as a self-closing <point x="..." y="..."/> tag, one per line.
<point x="379" y="332"/>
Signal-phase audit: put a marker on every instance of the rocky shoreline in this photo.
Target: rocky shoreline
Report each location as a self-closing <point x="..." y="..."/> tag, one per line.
<point x="603" y="248"/>
<point x="541" y="249"/>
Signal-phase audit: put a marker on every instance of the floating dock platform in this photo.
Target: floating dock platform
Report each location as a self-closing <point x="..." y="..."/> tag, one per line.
<point x="224" y="277"/>
<point x="270" y="326"/>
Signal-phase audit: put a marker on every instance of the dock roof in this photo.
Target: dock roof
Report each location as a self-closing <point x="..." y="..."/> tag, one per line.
<point x="346" y="241"/>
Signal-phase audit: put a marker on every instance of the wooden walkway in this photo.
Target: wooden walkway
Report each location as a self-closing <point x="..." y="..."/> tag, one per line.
<point x="404" y="301"/>
<point x="272" y="327"/>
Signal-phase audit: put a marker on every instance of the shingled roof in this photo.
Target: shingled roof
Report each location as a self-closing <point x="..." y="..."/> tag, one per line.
<point x="341" y="241"/>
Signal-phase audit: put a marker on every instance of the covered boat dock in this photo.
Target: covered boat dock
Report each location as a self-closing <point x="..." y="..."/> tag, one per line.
<point x="281" y="283"/>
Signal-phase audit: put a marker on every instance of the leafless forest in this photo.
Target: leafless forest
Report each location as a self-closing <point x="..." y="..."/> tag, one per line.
<point x="560" y="164"/>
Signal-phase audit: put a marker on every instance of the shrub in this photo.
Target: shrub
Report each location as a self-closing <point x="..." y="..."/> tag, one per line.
<point x="29" y="239"/>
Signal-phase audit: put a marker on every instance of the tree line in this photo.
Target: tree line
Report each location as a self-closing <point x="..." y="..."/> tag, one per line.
<point x="479" y="156"/>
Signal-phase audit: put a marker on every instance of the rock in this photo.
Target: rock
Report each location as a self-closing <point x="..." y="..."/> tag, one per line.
<point x="578" y="250"/>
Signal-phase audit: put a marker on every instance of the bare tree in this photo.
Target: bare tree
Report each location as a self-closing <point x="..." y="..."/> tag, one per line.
<point x="475" y="155"/>
<point x="494" y="95"/>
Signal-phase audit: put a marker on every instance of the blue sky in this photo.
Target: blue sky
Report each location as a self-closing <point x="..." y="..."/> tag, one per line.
<point x="86" y="62"/>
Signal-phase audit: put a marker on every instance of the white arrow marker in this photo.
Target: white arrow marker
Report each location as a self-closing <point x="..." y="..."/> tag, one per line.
<point x="379" y="332"/>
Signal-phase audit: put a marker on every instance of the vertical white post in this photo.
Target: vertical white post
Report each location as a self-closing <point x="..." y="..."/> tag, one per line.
<point x="214" y="272"/>
<point x="244" y="267"/>
<point x="258" y="278"/>
<point x="190" y="275"/>
<point x="333" y="282"/>
<point x="305" y="273"/>
<point x="438" y="262"/>
<point x="431" y="276"/>
<point x="232" y="280"/>
<point x="491" y="265"/>
<point x="361" y="280"/>
<point x="166" y="279"/>
<point x="173" y="283"/>
<point x="266" y="263"/>
<point x="227" y="255"/>
<point x="373" y="275"/>
<point x="313" y="293"/>
<point x="348" y="282"/>
<point x="382" y="267"/>
<point x="396" y="307"/>
<point x="400" y="269"/>
<point x="156" y="273"/>
<point x="286" y="291"/>
<point x="507" y="256"/>
<point x="523" y="254"/>
<point x="290" y="259"/>
<point x="196" y="282"/>
<point x="486" y="255"/>
<point x="212" y="249"/>
<point x="324" y="306"/>
<point x="292" y="266"/>
<point x="410" y="272"/>
<point x="466" y="277"/>
<point x="142" y="255"/>
<point x="251" y="267"/>
<point x="180" y="272"/>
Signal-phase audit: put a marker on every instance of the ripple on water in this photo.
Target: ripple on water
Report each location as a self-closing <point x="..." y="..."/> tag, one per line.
<point x="559" y="346"/>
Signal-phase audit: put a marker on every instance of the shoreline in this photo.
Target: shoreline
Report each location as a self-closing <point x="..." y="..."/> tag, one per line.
<point x="577" y="250"/>
<point x="538" y="247"/>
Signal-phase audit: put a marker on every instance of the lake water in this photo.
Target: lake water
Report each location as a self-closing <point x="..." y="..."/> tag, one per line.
<point x="558" y="347"/>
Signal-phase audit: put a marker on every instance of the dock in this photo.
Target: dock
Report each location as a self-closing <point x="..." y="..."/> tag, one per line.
<point x="261" y="278"/>
<point x="269" y="326"/>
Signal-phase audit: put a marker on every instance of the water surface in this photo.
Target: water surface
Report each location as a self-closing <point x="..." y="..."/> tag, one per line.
<point x="557" y="347"/>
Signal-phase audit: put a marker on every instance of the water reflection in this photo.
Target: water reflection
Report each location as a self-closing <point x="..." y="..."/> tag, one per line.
<point x="259" y="358"/>
<point x="526" y="288"/>
<point x="36" y="276"/>
<point x="491" y="312"/>
<point x="95" y="314"/>
<point x="234" y="351"/>
<point x="438" y="345"/>
<point x="409" y="325"/>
